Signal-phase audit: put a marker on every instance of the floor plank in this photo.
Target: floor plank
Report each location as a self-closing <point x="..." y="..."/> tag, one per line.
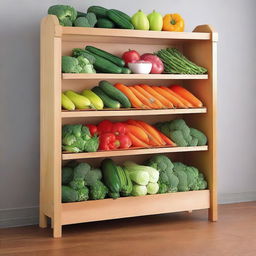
<point x="179" y="234"/>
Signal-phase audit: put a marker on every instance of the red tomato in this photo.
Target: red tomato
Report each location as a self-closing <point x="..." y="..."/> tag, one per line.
<point x="130" y="56"/>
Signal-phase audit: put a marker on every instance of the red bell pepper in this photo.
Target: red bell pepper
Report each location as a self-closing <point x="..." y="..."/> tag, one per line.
<point x="119" y="128"/>
<point x="93" y="129"/>
<point x="105" y="126"/>
<point x="108" y="141"/>
<point x="124" y="140"/>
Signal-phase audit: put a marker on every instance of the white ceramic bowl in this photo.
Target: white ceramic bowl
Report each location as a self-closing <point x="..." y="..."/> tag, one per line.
<point x="140" y="67"/>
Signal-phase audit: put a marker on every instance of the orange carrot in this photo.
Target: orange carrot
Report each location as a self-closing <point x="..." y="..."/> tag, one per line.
<point x="138" y="132"/>
<point x="152" y="131"/>
<point x="184" y="101"/>
<point x="163" y="100"/>
<point x="136" y="103"/>
<point x="175" y="101"/>
<point x="152" y="140"/>
<point x="186" y="95"/>
<point x="167" y="140"/>
<point x="152" y="99"/>
<point x="141" y="97"/>
<point x="137" y="142"/>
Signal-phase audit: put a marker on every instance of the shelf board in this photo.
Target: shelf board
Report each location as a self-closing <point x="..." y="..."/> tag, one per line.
<point x="74" y="32"/>
<point x="124" y="207"/>
<point x="131" y="76"/>
<point x="128" y="152"/>
<point x="130" y="112"/>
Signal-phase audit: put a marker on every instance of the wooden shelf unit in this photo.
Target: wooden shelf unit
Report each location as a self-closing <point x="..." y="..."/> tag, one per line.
<point x="199" y="45"/>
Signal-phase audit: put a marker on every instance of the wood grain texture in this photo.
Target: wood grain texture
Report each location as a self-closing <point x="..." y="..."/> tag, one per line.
<point x="130" y="152"/>
<point x="134" y="206"/>
<point x="50" y="125"/>
<point x="175" y="234"/>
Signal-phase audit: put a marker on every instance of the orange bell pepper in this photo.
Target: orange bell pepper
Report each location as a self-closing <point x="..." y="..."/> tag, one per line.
<point x="173" y="22"/>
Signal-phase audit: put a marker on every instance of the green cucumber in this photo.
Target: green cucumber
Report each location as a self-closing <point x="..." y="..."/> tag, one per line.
<point x="99" y="11"/>
<point x="126" y="71"/>
<point x="110" y="175"/>
<point x="122" y="14"/>
<point x="103" y="65"/>
<point x="119" y="20"/>
<point x="106" y="55"/>
<point x="105" y="23"/>
<point x="114" y="93"/>
<point x="108" y="102"/>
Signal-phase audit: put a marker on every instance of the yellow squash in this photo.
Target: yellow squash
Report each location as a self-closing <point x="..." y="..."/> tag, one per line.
<point x="96" y="101"/>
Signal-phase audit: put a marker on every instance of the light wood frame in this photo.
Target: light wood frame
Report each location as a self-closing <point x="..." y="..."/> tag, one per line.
<point x="199" y="45"/>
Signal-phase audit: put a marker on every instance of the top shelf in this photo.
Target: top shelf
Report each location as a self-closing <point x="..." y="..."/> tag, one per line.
<point x="71" y="33"/>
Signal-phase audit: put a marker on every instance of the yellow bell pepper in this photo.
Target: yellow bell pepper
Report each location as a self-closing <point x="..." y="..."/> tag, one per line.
<point x="173" y="22"/>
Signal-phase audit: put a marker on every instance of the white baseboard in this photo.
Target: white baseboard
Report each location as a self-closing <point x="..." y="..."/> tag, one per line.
<point x="29" y="216"/>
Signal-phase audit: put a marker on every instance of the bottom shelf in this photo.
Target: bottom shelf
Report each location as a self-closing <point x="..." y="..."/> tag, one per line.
<point x="134" y="206"/>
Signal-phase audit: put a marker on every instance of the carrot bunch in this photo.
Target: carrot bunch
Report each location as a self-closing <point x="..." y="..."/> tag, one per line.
<point x="144" y="96"/>
<point x="145" y="135"/>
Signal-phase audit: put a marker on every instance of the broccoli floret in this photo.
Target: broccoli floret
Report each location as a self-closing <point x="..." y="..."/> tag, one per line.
<point x="179" y="171"/>
<point x="98" y="191"/>
<point x="92" y="19"/>
<point x="83" y="194"/>
<point x="81" y="171"/>
<point x="81" y="22"/>
<point x="65" y="13"/>
<point x="174" y="181"/>
<point x="70" y="65"/>
<point x="161" y="163"/>
<point x="202" y="139"/>
<point x="81" y="52"/>
<point x="178" y="138"/>
<point x="92" y="176"/>
<point x="68" y="194"/>
<point x="163" y="188"/>
<point x="84" y="63"/>
<point x="191" y="176"/>
<point x="76" y="184"/>
<point x="193" y="142"/>
<point x="67" y="175"/>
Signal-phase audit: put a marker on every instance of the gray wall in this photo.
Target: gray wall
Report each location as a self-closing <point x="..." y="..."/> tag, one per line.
<point x="19" y="74"/>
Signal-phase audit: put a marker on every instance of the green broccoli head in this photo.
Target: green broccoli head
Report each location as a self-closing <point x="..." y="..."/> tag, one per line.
<point x="81" y="170"/>
<point x="76" y="52"/>
<point x="65" y="13"/>
<point x="163" y="188"/>
<point x="81" y="22"/>
<point x="83" y="194"/>
<point x="178" y="138"/>
<point x="202" y="139"/>
<point x="76" y="184"/>
<point x="98" y="191"/>
<point x="191" y="176"/>
<point x="85" y="64"/>
<point x="161" y="163"/>
<point x="70" y="65"/>
<point x="179" y="171"/>
<point x="173" y="181"/>
<point x="92" y="176"/>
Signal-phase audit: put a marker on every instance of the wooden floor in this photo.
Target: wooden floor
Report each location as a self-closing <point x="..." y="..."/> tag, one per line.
<point x="180" y="234"/>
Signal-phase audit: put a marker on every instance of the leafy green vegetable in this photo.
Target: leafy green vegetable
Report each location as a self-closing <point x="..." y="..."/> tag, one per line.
<point x="76" y="52"/>
<point x="81" y="22"/>
<point x="196" y="134"/>
<point x="92" y="176"/>
<point x="77" y="184"/>
<point x="139" y="190"/>
<point x="68" y="194"/>
<point x="81" y="170"/>
<point x="70" y="65"/>
<point x="83" y="194"/>
<point x="152" y="188"/>
<point x="92" y="144"/>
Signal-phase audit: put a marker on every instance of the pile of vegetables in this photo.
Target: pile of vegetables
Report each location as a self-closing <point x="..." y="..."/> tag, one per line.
<point x="176" y="63"/>
<point x="77" y="138"/>
<point x="183" y="135"/>
<point x="81" y="181"/>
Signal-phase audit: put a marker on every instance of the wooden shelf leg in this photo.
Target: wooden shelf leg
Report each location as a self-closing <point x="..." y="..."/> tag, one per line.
<point x="57" y="230"/>
<point x="213" y="213"/>
<point x="42" y="220"/>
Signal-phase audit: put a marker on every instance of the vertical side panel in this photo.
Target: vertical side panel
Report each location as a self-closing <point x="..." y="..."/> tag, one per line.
<point x="204" y="53"/>
<point x="50" y="123"/>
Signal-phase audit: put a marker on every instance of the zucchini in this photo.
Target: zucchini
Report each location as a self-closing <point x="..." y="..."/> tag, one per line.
<point x="105" y="23"/>
<point x="126" y="71"/>
<point x="99" y="11"/>
<point x="119" y="19"/>
<point x="122" y="14"/>
<point x="106" y="55"/>
<point x="112" y="92"/>
<point x="110" y="175"/>
<point x="108" y="102"/>
<point x="103" y="65"/>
